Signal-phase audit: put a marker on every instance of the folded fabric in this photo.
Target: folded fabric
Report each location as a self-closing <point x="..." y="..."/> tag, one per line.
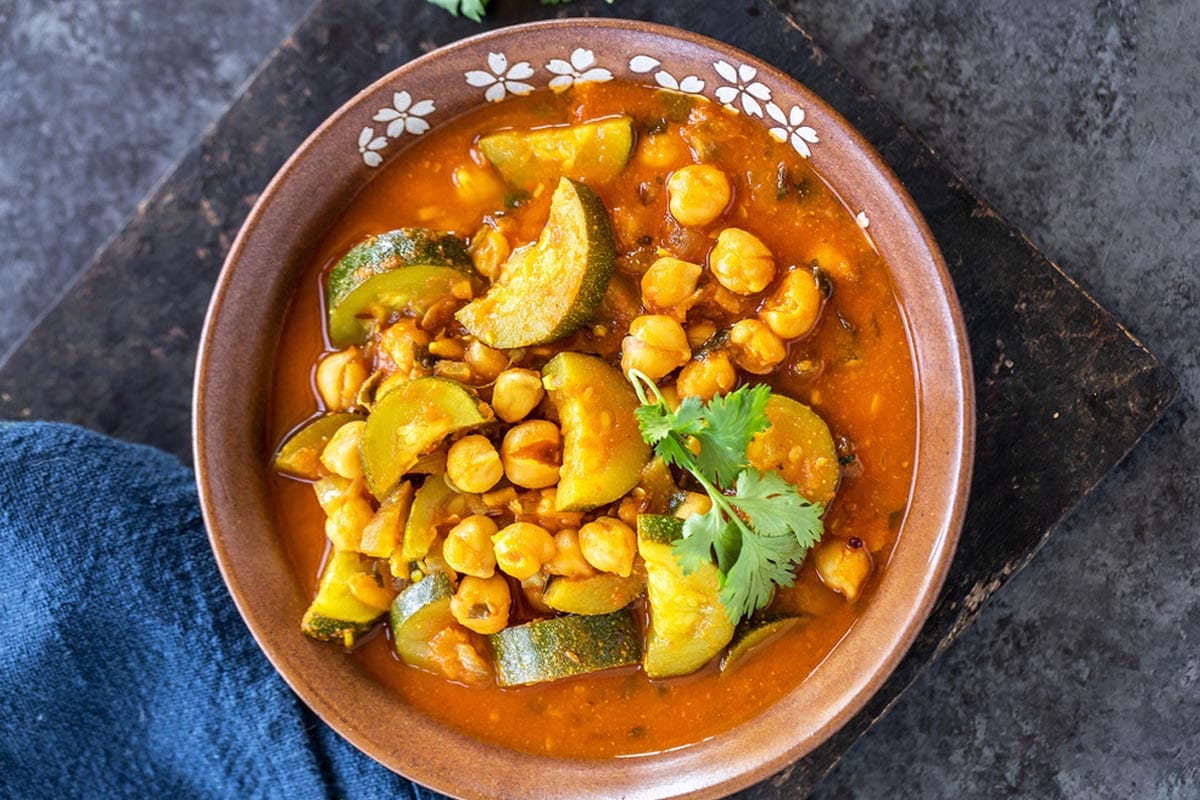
<point x="125" y="670"/>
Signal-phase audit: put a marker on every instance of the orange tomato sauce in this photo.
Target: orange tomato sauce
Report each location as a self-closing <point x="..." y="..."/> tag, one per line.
<point x="854" y="370"/>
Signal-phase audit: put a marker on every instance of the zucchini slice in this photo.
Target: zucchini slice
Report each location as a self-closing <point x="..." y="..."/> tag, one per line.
<point x="550" y="649"/>
<point x="659" y="485"/>
<point x="751" y="635"/>
<point x="798" y="446"/>
<point x="430" y="503"/>
<point x="603" y="449"/>
<point x="593" y="151"/>
<point x="382" y="533"/>
<point x="335" y="613"/>
<point x="689" y="625"/>
<point x="300" y="453"/>
<point x="408" y="268"/>
<point x="549" y="289"/>
<point x="595" y="594"/>
<point x="412" y="420"/>
<point x="418" y="614"/>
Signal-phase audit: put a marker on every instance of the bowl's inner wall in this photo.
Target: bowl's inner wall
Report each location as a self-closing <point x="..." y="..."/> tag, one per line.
<point x="236" y="368"/>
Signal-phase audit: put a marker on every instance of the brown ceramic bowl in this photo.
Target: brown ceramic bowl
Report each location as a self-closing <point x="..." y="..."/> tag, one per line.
<point x="238" y="351"/>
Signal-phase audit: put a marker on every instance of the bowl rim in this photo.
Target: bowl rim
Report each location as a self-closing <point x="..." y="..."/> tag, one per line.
<point x="216" y="491"/>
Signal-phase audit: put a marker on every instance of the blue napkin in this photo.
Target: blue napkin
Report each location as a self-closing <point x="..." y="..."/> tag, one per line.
<point x="125" y="670"/>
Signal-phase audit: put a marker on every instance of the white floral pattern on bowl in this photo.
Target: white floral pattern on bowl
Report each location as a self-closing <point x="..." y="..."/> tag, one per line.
<point x="501" y="79"/>
<point x="737" y="88"/>
<point x="580" y="69"/>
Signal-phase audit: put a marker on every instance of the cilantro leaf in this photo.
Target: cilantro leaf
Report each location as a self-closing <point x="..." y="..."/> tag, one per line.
<point x="730" y="422"/>
<point x="675" y="452"/>
<point x="759" y="527"/>
<point x="701" y="532"/>
<point x="764" y="563"/>
<point x="705" y="535"/>
<point x="777" y="507"/>
<point x="471" y="9"/>
<point x="688" y="419"/>
<point x="655" y="422"/>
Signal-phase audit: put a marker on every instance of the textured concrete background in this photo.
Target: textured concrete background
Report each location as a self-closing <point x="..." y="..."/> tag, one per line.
<point x="1077" y="119"/>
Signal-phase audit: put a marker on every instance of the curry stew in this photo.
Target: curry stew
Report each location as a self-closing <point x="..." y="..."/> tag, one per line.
<point x="465" y="470"/>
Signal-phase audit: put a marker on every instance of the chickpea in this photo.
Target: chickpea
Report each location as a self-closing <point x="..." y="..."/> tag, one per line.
<point x="609" y="545"/>
<point x="755" y="347"/>
<point x="630" y="506"/>
<point x="834" y="262"/>
<point x="715" y="298"/>
<point x="522" y="548"/>
<point x="473" y="465"/>
<point x="333" y="490"/>
<point x="344" y="525"/>
<point x="656" y="344"/>
<point x="468" y="547"/>
<point x="516" y="393"/>
<point x="534" y="589"/>
<point x="693" y="503"/>
<point x="568" y="557"/>
<point x="368" y="591"/>
<point x="792" y="309"/>
<point x="486" y="362"/>
<point x="455" y="655"/>
<point x="700" y="331"/>
<point x="340" y="455"/>
<point x="489" y="250"/>
<point x="741" y="262"/>
<point x="843" y="566"/>
<point x="705" y="376"/>
<point x="532" y="454"/>
<point x="661" y="151"/>
<point x="545" y="511"/>
<point x="398" y="346"/>
<point x="482" y="604"/>
<point x="440" y="313"/>
<point x="500" y="498"/>
<point x="454" y="370"/>
<point x="477" y="186"/>
<point x="452" y="349"/>
<point x="698" y="194"/>
<point x="670" y="283"/>
<point x="670" y="396"/>
<point x="339" y="377"/>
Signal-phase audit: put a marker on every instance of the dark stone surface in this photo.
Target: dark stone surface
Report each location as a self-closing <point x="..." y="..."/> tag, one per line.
<point x="97" y="100"/>
<point x="1081" y="125"/>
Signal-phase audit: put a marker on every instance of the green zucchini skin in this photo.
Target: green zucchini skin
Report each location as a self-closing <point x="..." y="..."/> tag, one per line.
<point x="551" y="649"/>
<point x="417" y="614"/>
<point x="335" y="613"/>
<point x="550" y="289"/>
<point x="595" y="594"/>
<point x="688" y="624"/>
<point x="387" y="455"/>
<point x="592" y="151"/>
<point x="432" y="588"/>
<point x="299" y="455"/>
<point x="349" y="289"/>
<point x="327" y="629"/>
<point x="603" y="449"/>
<point x="752" y="634"/>
<point x="659" y="528"/>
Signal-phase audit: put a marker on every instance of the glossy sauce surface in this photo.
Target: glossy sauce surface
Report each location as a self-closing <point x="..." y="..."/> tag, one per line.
<point x="854" y="370"/>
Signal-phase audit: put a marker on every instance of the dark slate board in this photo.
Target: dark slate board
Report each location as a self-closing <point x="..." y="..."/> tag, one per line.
<point x="1064" y="391"/>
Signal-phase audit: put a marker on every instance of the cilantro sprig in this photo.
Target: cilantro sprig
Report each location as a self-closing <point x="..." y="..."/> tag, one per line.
<point x="475" y="9"/>
<point x="759" y="527"/>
